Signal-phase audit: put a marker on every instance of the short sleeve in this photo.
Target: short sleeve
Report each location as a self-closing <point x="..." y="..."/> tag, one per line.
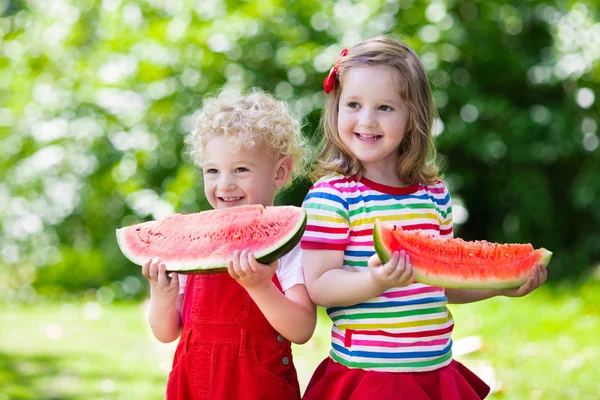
<point x="182" y="283"/>
<point x="445" y="207"/>
<point x="290" y="270"/>
<point x="327" y="226"/>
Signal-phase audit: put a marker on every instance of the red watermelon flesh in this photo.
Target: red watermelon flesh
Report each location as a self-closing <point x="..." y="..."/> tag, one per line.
<point x="456" y="263"/>
<point x="205" y="241"/>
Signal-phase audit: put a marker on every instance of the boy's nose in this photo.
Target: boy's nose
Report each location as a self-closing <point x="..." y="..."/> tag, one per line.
<point x="226" y="182"/>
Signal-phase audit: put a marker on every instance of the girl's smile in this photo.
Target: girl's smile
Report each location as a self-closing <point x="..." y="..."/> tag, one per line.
<point x="367" y="138"/>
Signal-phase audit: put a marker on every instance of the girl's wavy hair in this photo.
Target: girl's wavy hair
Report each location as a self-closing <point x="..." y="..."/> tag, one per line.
<point x="417" y="157"/>
<point x="249" y="120"/>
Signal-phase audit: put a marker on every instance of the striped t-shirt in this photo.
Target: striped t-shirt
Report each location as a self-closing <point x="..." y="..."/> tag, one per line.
<point x="404" y="329"/>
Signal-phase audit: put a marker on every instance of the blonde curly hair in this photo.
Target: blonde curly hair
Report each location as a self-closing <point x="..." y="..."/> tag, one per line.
<point x="249" y="120"/>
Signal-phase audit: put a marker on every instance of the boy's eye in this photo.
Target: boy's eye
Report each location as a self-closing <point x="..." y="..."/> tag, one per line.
<point x="241" y="169"/>
<point x="353" y="104"/>
<point x="385" y="108"/>
<point x="210" y="171"/>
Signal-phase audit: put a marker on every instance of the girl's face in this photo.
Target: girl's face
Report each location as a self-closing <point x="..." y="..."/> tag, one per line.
<point x="247" y="176"/>
<point x="372" y="119"/>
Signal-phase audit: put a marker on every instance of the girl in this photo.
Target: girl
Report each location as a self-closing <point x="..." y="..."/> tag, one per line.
<point x="236" y="327"/>
<point x="390" y="336"/>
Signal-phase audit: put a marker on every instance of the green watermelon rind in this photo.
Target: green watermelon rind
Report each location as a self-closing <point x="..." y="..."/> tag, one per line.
<point x="381" y="249"/>
<point x="216" y="265"/>
<point x="384" y="253"/>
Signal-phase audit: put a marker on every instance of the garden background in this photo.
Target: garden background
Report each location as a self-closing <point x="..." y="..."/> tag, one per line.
<point x="96" y="97"/>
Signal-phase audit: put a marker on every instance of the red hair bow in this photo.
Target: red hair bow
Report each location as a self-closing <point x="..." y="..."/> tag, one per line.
<point x="329" y="82"/>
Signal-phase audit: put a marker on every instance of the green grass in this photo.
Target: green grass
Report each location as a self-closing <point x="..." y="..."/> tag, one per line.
<point x="543" y="346"/>
<point x="79" y="351"/>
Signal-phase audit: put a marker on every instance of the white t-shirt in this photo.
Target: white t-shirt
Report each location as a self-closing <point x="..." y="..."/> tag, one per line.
<point x="289" y="272"/>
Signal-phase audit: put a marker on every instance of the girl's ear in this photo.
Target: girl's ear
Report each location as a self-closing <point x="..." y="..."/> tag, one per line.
<point x="283" y="171"/>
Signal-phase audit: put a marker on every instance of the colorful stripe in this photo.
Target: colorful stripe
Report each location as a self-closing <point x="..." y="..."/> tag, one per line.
<point x="383" y="325"/>
<point x="418" y="334"/>
<point x="413" y="366"/>
<point x="382" y="343"/>
<point x="394" y="354"/>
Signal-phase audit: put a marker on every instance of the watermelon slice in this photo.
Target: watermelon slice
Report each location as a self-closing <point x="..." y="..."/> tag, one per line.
<point x="205" y="241"/>
<point x="455" y="263"/>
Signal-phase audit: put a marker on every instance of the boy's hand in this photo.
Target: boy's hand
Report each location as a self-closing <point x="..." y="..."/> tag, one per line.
<point x="162" y="287"/>
<point x="397" y="272"/>
<point x="538" y="276"/>
<point x="250" y="273"/>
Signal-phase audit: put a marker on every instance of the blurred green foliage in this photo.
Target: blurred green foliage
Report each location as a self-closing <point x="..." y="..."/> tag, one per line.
<point x="96" y="97"/>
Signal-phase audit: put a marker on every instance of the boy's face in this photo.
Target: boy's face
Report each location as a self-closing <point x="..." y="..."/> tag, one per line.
<point x="247" y="176"/>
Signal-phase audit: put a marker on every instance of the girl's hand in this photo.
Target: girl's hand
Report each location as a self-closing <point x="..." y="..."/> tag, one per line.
<point x="162" y="287"/>
<point x="396" y="272"/>
<point x="536" y="279"/>
<point x="250" y="273"/>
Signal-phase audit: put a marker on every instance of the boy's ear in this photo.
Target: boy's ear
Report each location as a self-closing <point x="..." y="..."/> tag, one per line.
<point x="283" y="171"/>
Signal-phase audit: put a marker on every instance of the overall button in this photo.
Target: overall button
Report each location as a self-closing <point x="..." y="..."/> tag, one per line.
<point x="280" y="338"/>
<point x="285" y="361"/>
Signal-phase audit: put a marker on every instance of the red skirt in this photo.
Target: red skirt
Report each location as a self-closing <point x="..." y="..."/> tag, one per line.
<point x="334" y="381"/>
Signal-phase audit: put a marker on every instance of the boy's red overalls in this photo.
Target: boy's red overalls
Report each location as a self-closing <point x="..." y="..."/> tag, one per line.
<point x="227" y="349"/>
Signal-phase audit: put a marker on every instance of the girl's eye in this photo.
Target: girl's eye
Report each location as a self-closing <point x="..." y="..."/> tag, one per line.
<point x="211" y="171"/>
<point x="386" y="108"/>
<point x="241" y="169"/>
<point x="353" y="104"/>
